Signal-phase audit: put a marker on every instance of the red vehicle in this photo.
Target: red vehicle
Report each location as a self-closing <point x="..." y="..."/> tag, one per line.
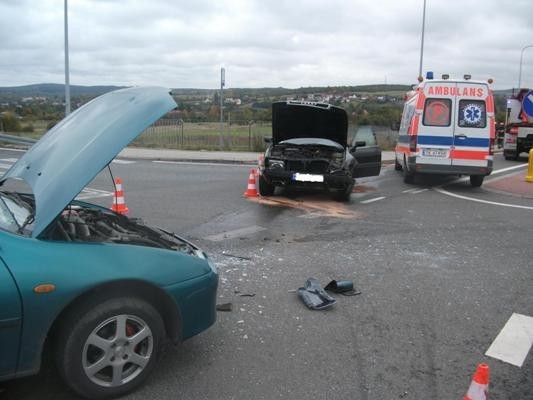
<point x="518" y="137"/>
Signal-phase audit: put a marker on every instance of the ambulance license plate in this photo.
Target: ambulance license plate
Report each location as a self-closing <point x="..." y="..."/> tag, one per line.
<point x="437" y="153"/>
<point x="307" y="177"/>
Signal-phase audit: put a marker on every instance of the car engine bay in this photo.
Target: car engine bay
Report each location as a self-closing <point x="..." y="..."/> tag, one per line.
<point x="83" y="224"/>
<point x="305" y="152"/>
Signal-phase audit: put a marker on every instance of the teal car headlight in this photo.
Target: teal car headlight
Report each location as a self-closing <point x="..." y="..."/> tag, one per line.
<point x="213" y="266"/>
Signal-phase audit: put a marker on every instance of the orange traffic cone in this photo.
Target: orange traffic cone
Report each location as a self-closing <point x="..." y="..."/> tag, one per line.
<point x="251" y="190"/>
<point x="119" y="204"/>
<point x="479" y="387"/>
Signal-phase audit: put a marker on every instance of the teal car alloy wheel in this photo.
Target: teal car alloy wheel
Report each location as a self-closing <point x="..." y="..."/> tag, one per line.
<point x="110" y="350"/>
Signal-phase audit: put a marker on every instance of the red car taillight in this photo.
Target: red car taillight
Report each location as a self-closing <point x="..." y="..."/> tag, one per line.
<point x="412" y="143"/>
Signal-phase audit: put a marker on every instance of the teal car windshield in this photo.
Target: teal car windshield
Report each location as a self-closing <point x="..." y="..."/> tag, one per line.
<point x="13" y="214"/>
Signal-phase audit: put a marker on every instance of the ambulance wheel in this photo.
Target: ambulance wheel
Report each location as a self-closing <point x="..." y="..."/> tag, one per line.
<point x="397" y="165"/>
<point x="476" y="180"/>
<point x="408" y="177"/>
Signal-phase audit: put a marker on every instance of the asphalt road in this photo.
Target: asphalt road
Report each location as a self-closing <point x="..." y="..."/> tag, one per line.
<point x="440" y="276"/>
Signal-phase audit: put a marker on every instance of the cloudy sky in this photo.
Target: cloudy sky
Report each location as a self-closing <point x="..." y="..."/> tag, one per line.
<point x="262" y="43"/>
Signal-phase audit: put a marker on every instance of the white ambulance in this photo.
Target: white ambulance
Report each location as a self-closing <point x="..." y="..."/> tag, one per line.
<point x="447" y="127"/>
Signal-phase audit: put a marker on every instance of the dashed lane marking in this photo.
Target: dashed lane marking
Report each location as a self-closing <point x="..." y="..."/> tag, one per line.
<point x="90" y="193"/>
<point x="249" y="230"/>
<point x="9" y="160"/>
<point x="15" y="150"/>
<point x="514" y="341"/>
<point x="409" y="190"/>
<point x="420" y="191"/>
<point x="123" y="162"/>
<point x="372" y="200"/>
<point x="229" y="164"/>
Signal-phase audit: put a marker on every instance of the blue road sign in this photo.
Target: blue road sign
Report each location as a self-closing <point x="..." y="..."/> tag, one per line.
<point x="527" y="104"/>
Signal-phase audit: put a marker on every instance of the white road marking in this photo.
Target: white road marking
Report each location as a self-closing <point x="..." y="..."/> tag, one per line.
<point x="123" y="162"/>
<point x="5" y="166"/>
<point x="409" y="190"/>
<point x="494" y="203"/>
<point x="17" y="150"/>
<point x="420" y="191"/>
<point x="205" y="163"/>
<point x="249" y="230"/>
<point x="514" y="341"/>
<point x="90" y="193"/>
<point x="499" y="171"/>
<point x="9" y="160"/>
<point x="372" y="200"/>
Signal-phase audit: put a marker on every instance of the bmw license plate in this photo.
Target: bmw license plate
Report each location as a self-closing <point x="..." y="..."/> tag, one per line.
<point x="307" y="177"/>
<point x="437" y="153"/>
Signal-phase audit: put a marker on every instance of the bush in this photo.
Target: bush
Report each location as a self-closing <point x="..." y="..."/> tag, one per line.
<point x="10" y="122"/>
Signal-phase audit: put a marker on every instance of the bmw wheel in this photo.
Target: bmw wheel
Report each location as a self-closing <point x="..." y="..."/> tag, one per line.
<point x="109" y="349"/>
<point x="265" y="188"/>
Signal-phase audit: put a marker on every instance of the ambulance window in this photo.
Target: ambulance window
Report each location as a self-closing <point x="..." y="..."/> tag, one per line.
<point x="472" y="114"/>
<point x="437" y="112"/>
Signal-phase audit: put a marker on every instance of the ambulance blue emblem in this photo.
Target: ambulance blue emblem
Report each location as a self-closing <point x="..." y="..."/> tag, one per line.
<point x="472" y="114"/>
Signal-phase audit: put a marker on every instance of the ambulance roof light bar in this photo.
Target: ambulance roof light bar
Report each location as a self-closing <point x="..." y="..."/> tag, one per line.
<point x="429" y="75"/>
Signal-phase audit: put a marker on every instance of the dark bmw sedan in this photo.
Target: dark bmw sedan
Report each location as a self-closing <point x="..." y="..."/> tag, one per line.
<point x="309" y="148"/>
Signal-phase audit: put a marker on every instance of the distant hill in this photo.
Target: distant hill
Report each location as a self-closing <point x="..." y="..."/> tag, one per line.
<point x="280" y="91"/>
<point x="55" y="90"/>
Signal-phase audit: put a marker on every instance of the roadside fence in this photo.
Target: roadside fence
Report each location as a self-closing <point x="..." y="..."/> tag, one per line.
<point x="186" y="135"/>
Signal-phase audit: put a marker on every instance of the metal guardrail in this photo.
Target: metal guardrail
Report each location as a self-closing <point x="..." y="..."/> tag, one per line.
<point x="4" y="137"/>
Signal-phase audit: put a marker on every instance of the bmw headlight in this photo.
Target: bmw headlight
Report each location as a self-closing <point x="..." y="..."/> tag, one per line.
<point x="276" y="164"/>
<point x="337" y="159"/>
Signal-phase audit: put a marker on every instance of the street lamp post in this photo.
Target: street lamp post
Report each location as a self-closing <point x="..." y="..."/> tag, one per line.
<point x="521" y="57"/>
<point x="67" y="80"/>
<point x="422" y="40"/>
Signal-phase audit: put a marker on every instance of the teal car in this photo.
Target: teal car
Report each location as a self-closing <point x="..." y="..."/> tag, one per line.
<point x="100" y="290"/>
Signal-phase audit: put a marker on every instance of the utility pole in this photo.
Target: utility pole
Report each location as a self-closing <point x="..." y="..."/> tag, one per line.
<point x="422" y="42"/>
<point x="222" y="83"/>
<point x="67" y="80"/>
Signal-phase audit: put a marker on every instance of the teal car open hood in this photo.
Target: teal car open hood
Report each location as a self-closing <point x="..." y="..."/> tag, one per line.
<point x="74" y="151"/>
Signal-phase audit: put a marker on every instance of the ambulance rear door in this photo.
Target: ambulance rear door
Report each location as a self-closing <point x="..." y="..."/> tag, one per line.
<point x="475" y="114"/>
<point x="435" y="134"/>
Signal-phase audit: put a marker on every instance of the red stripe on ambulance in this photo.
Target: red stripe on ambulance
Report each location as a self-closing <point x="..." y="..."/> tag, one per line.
<point x="468" y="154"/>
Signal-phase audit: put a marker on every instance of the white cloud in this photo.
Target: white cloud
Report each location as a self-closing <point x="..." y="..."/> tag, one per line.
<point x="179" y="43"/>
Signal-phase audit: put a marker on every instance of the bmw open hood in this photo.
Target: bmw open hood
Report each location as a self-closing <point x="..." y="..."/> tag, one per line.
<point x="74" y="151"/>
<point x="292" y="120"/>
